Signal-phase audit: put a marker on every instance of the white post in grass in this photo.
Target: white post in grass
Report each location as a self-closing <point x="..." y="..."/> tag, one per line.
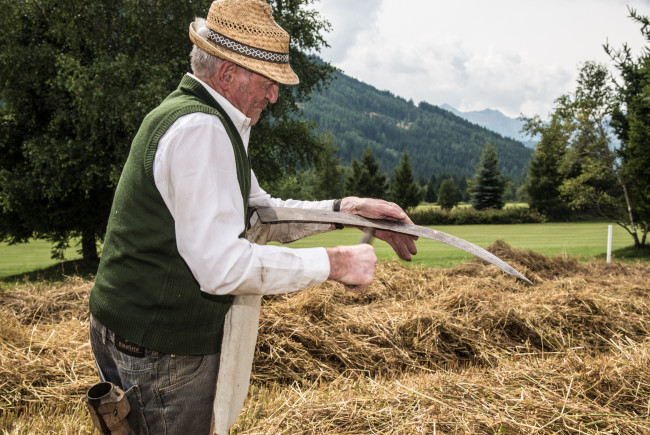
<point x="609" y="244"/>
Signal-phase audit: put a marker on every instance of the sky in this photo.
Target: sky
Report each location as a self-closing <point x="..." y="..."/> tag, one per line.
<point x="516" y="56"/>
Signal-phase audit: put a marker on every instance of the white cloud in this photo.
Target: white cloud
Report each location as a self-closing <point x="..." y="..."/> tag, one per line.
<point x="349" y="18"/>
<point x="512" y="55"/>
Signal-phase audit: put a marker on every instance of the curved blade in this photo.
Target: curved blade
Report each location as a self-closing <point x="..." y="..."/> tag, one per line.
<point x="288" y="214"/>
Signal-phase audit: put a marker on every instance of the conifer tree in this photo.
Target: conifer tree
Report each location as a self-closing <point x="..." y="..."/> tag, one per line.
<point x="329" y="176"/>
<point x="463" y="186"/>
<point x="448" y="194"/>
<point x="351" y="182"/>
<point x="405" y="192"/>
<point x="488" y="184"/>
<point x="365" y="179"/>
<point x="544" y="176"/>
<point x="431" y="194"/>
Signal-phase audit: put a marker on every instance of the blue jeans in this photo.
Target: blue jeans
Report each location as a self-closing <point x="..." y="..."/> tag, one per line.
<point x="168" y="394"/>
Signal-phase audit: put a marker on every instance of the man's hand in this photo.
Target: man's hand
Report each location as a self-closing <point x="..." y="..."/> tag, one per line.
<point x="353" y="266"/>
<point x="402" y="244"/>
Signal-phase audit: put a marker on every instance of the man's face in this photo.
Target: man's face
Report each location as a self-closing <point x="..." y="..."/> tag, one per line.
<point x="252" y="92"/>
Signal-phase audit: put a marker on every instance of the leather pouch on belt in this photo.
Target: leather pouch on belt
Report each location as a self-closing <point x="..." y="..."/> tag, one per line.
<point x="108" y="408"/>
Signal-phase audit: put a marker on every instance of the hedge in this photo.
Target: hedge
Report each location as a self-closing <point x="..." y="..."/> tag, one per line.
<point x="469" y="215"/>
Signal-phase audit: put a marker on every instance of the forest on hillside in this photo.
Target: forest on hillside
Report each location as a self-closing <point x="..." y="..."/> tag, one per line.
<point x="359" y="116"/>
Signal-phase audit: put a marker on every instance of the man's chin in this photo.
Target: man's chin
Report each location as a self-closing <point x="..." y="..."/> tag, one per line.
<point x="256" y="117"/>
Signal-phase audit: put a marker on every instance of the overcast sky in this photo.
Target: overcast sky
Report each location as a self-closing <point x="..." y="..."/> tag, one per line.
<point x="516" y="56"/>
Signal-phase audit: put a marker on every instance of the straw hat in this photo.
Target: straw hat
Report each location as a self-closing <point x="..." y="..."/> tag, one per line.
<point x="245" y="33"/>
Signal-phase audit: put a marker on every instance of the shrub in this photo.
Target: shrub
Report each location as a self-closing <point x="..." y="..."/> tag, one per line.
<point x="469" y="216"/>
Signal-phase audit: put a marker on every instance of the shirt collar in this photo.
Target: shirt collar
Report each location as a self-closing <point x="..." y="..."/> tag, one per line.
<point x="241" y="121"/>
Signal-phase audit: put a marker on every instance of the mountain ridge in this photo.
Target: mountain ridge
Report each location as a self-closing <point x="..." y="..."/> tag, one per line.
<point x="438" y="141"/>
<point x="496" y="121"/>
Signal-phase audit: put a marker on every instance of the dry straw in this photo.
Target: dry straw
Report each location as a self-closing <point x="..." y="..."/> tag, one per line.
<point x="45" y="360"/>
<point x="464" y="350"/>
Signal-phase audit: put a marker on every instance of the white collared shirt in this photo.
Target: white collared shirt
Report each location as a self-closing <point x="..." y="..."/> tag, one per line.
<point x="196" y="174"/>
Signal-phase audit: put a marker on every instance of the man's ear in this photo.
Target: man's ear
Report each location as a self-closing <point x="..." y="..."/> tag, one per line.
<point x="226" y="73"/>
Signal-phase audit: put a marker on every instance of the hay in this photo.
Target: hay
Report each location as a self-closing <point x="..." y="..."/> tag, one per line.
<point x="566" y="394"/>
<point x="463" y="350"/>
<point x="412" y="319"/>
<point x="45" y="358"/>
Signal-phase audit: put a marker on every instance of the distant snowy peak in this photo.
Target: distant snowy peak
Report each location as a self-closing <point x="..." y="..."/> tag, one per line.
<point x="495" y="121"/>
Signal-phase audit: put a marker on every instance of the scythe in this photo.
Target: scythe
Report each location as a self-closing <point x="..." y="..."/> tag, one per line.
<point x="240" y="327"/>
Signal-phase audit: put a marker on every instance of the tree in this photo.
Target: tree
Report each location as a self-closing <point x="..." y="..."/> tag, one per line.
<point x="598" y="174"/>
<point x="405" y="192"/>
<point x="431" y="189"/>
<point x="488" y="184"/>
<point x="299" y="185"/>
<point x="78" y="77"/>
<point x="544" y="177"/>
<point x="463" y="186"/>
<point x="593" y="167"/>
<point x="281" y="142"/>
<point x="448" y="195"/>
<point x="631" y="123"/>
<point x="365" y="179"/>
<point x="329" y="176"/>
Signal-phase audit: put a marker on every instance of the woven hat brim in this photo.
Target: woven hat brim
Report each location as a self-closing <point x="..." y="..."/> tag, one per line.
<point x="279" y="72"/>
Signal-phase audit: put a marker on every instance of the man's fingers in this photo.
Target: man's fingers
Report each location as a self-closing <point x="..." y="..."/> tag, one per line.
<point x="410" y="244"/>
<point x="402" y="244"/>
<point x="403" y="250"/>
<point x="352" y="265"/>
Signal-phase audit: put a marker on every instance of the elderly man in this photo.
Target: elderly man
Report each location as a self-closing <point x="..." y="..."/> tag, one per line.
<point x="175" y="252"/>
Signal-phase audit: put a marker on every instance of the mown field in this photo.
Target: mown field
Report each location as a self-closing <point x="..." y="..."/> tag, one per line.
<point x="466" y="349"/>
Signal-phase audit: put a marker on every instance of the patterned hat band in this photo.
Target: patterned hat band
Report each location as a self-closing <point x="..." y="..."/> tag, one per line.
<point x="247" y="50"/>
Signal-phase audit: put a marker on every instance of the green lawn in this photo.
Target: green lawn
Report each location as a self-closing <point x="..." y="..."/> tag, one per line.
<point x="584" y="239"/>
<point x="22" y="258"/>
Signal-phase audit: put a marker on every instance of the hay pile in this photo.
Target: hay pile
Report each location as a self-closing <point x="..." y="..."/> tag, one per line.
<point x="429" y="319"/>
<point x="464" y="350"/>
<point x="45" y="361"/>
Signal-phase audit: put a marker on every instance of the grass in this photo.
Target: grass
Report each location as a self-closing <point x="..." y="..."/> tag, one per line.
<point x="584" y="240"/>
<point x="29" y="257"/>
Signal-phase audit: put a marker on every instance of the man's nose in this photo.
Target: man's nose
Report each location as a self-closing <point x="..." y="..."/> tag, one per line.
<point x="272" y="93"/>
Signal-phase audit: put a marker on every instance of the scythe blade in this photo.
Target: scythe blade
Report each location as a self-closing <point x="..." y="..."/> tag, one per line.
<point x="288" y="214"/>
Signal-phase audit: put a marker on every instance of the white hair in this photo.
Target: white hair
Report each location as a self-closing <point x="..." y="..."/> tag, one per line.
<point x="203" y="63"/>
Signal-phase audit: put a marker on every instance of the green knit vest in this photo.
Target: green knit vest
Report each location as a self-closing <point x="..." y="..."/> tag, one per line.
<point x="144" y="291"/>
